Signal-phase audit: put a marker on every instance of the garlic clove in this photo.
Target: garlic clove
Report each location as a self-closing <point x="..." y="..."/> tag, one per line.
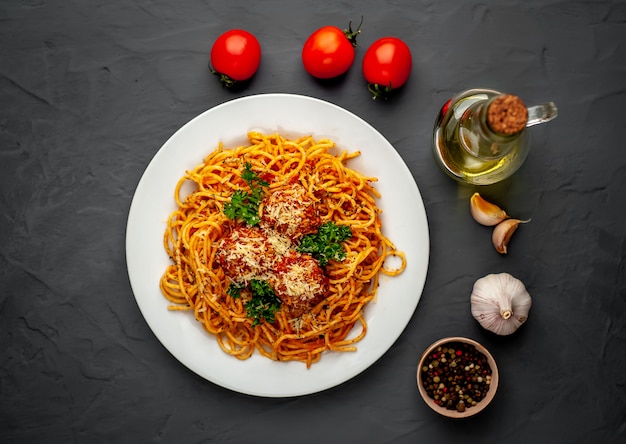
<point x="486" y="213"/>
<point x="502" y="233"/>
<point x="500" y="303"/>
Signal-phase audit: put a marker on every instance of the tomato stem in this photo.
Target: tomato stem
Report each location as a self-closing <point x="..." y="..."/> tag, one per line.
<point x="379" y="91"/>
<point x="352" y="35"/>
<point x="226" y="81"/>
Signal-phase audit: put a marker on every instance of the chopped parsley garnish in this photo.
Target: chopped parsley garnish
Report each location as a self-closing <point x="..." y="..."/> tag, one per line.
<point x="234" y="291"/>
<point x="242" y="206"/>
<point x="263" y="304"/>
<point x="245" y="205"/>
<point x="325" y="245"/>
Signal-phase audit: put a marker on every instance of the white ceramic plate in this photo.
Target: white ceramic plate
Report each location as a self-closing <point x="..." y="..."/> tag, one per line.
<point x="404" y="222"/>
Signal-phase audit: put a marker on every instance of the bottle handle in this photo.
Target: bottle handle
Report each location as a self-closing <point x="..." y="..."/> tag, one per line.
<point x="541" y="113"/>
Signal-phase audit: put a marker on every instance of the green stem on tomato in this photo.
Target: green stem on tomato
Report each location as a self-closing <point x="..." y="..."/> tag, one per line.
<point x="226" y="81"/>
<point x="352" y="35"/>
<point x="379" y="91"/>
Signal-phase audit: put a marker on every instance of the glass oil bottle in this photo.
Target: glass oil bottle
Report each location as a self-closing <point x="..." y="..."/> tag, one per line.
<point x="480" y="136"/>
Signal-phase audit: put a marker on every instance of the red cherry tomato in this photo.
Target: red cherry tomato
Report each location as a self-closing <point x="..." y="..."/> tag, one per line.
<point x="329" y="51"/>
<point x="387" y="64"/>
<point x="235" y="56"/>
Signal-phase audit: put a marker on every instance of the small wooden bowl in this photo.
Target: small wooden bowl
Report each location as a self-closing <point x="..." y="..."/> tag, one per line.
<point x="469" y="411"/>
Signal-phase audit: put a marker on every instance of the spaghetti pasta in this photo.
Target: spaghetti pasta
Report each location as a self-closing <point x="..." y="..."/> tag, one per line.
<point x="306" y="186"/>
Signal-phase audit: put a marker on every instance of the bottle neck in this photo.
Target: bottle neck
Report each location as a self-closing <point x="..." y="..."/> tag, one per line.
<point x="479" y="139"/>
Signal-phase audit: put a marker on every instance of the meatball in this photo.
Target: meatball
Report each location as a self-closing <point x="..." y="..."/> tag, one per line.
<point x="245" y="254"/>
<point x="290" y="212"/>
<point x="299" y="282"/>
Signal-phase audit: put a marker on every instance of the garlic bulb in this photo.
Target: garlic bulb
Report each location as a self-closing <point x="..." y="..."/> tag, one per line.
<point x="500" y="303"/>
<point x="486" y="213"/>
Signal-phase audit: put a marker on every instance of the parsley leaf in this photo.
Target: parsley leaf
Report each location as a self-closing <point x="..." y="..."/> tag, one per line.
<point x="234" y="291"/>
<point x="325" y="245"/>
<point x="245" y="206"/>
<point x="264" y="303"/>
<point x="251" y="177"/>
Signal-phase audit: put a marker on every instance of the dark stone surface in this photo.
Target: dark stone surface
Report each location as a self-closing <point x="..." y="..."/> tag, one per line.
<point x="91" y="89"/>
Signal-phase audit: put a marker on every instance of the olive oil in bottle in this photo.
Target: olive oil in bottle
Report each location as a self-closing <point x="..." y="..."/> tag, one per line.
<point x="480" y="135"/>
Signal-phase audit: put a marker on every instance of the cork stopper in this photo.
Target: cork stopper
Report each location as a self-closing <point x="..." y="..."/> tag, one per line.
<point x="507" y="115"/>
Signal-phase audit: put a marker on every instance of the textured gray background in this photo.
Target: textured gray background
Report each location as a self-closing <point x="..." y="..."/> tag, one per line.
<point x="90" y="90"/>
